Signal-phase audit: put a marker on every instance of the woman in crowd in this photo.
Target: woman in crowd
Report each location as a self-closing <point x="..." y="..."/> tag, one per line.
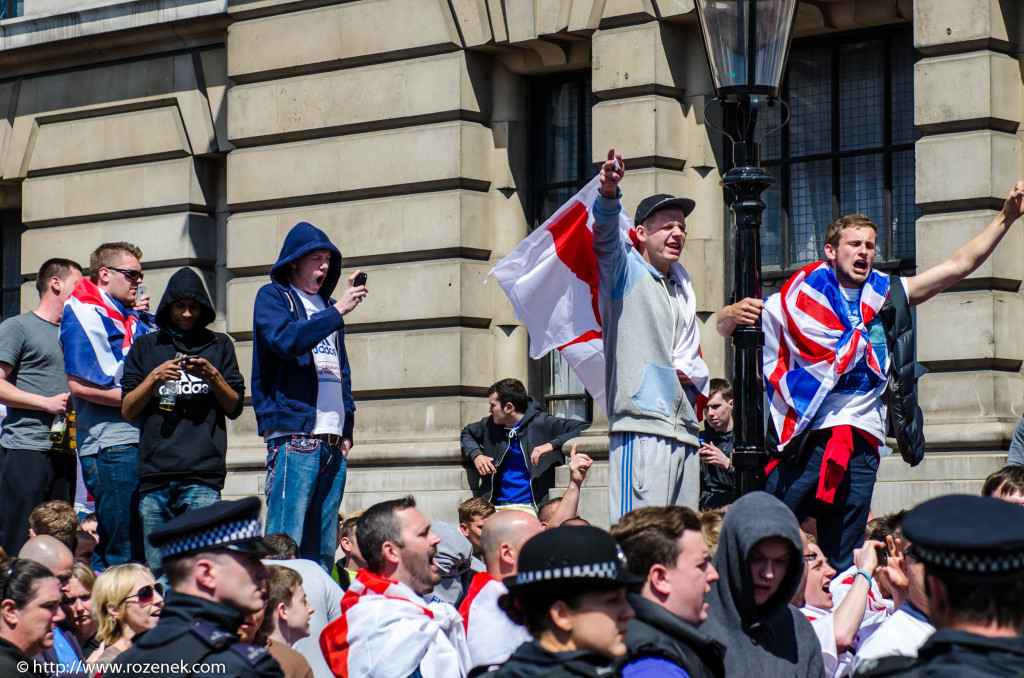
<point x="570" y="594"/>
<point x="77" y="607"/>
<point x="29" y="612"/>
<point x="126" y="601"/>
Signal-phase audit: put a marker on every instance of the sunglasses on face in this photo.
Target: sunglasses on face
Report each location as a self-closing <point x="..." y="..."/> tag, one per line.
<point x="146" y="595"/>
<point x="132" y="275"/>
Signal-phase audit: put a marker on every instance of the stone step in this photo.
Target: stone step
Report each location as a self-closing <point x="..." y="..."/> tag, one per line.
<point x="941" y="466"/>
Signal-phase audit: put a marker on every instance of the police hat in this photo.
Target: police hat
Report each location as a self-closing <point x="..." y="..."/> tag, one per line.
<point x="574" y="558"/>
<point x="968" y="535"/>
<point x="649" y="206"/>
<point x="233" y="525"/>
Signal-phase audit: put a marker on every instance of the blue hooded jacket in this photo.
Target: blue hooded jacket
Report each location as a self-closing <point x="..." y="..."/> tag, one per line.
<point x="284" y="380"/>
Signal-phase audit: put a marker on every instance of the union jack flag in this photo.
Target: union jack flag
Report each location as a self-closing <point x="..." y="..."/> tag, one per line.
<point x="96" y="333"/>
<point x="810" y="343"/>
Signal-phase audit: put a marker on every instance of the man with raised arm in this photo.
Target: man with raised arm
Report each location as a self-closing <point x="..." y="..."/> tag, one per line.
<point x="651" y="348"/>
<point x="839" y="370"/>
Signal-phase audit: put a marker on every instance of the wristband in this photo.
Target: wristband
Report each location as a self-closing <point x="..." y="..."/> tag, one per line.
<point x="866" y="576"/>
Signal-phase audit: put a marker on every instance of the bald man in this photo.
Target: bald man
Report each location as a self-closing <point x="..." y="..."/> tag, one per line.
<point x="492" y="636"/>
<point x="52" y="554"/>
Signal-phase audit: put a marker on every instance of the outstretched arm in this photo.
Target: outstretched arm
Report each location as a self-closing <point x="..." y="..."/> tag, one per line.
<point x="969" y="256"/>
<point x="847" y="618"/>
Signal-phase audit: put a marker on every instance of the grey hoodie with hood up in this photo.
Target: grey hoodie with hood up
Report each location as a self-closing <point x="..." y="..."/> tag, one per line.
<point x="773" y="640"/>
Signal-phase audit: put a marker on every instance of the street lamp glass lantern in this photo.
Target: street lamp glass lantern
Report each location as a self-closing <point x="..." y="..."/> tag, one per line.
<point x="747" y="43"/>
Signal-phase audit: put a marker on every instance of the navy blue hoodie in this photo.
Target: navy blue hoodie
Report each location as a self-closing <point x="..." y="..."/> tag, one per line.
<point x="284" y="380"/>
<point x="188" y="443"/>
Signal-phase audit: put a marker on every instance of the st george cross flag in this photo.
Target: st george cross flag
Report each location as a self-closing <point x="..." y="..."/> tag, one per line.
<point x="386" y="630"/>
<point x="551" y="280"/>
<point x="810" y="343"/>
<point x="96" y="333"/>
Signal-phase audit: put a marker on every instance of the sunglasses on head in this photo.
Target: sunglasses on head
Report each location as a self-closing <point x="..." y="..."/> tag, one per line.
<point x="145" y="594"/>
<point x="131" y="274"/>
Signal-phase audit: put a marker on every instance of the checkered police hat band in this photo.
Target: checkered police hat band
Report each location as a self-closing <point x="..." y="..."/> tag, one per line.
<point x="228" y="533"/>
<point x="608" y="570"/>
<point x="971" y="562"/>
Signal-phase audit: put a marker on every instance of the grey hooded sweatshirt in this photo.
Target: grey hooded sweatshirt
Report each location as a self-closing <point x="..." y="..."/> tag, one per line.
<point x="773" y="639"/>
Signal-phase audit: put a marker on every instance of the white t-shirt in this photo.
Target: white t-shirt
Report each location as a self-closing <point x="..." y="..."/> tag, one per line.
<point x="330" y="404"/>
<point x="837" y="663"/>
<point x="902" y="634"/>
<point x="876" y="609"/>
<point x="856" y="399"/>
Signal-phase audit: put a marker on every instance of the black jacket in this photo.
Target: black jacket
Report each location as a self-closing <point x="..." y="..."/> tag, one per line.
<point x="188" y="443"/>
<point x="954" y="654"/>
<point x="13" y="662"/>
<point x="194" y="630"/>
<point x="537" y="427"/>
<point x="906" y="423"/>
<point x="716" y="483"/>
<point x="656" y="632"/>
<point x="533" y="661"/>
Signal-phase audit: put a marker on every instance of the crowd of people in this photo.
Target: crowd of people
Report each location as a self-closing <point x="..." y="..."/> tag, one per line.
<point x="690" y="581"/>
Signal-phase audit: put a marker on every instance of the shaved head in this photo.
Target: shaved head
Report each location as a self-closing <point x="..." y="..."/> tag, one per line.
<point x="504" y="534"/>
<point x="52" y="554"/>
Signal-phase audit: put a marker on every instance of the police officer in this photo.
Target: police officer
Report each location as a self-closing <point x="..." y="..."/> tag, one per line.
<point x="570" y="594"/>
<point x="973" y="553"/>
<point x="211" y="557"/>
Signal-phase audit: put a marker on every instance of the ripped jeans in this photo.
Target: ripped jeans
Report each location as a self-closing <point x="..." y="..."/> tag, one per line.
<point x="305" y="483"/>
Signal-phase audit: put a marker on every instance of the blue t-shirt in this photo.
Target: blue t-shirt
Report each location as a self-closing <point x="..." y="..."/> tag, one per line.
<point x="513" y="474"/>
<point x="653" y="667"/>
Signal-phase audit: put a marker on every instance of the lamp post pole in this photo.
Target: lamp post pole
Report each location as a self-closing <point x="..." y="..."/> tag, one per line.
<point x="747" y="180"/>
<point x="747" y="44"/>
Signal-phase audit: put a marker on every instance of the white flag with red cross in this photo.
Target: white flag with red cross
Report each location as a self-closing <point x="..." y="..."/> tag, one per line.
<point x="552" y="281"/>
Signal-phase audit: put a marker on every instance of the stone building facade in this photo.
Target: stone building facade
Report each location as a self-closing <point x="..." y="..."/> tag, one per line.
<point x="426" y="137"/>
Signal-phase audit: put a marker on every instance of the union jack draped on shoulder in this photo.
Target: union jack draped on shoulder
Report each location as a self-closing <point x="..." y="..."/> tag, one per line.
<point x="810" y="343"/>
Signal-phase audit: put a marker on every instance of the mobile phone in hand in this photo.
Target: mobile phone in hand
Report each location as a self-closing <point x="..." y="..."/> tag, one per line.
<point x="360" y="280"/>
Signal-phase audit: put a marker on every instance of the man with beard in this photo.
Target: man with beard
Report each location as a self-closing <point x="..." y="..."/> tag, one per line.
<point x="211" y="558"/>
<point x="387" y="629"/>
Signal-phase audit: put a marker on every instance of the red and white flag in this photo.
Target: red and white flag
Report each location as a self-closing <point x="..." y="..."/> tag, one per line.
<point x="386" y="630"/>
<point x="551" y="279"/>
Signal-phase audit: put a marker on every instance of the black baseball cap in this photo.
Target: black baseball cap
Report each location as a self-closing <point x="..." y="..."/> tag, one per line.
<point x="571" y="558"/>
<point x="233" y="525"/>
<point x="649" y="206"/>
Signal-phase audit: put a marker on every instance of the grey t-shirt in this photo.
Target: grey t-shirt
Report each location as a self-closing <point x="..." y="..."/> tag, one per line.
<point x="29" y="344"/>
<point x="100" y="427"/>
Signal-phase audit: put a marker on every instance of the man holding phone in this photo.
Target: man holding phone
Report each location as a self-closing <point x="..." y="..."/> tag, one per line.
<point x="302" y="389"/>
<point x="180" y="384"/>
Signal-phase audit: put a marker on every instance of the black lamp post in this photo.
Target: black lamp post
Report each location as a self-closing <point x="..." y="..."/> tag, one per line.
<point x="747" y="43"/>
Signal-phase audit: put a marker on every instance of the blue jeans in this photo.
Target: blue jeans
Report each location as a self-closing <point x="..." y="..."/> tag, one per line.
<point x="841" y="524"/>
<point x="305" y="483"/>
<point x="158" y="506"/>
<point x="112" y="478"/>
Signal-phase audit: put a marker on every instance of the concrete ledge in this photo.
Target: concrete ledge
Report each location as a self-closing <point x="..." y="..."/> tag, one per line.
<point x="638" y="59"/>
<point x="986" y="336"/>
<point x="455" y="84"/>
<point x="650" y="129"/>
<point x="938" y="236"/>
<point x="168" y="186"/>
<point x="339" y="35"/>
<point x="400" y="294"/>
<point x="446" y="155"/>
<point x="375" y="230"/>
<point x="168" y="240"/>
<point x="966" y="170"/>
<point x="979" y="89"/>
<point x="941" y="26"/>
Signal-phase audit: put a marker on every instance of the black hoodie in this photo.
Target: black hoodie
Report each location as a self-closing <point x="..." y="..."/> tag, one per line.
<point x="533" y="661"/>
<point x="773" y="639"/>
<point x="188" y="443"/>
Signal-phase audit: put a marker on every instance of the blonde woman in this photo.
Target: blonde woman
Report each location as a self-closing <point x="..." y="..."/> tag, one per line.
<point x="126" y="601"/>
